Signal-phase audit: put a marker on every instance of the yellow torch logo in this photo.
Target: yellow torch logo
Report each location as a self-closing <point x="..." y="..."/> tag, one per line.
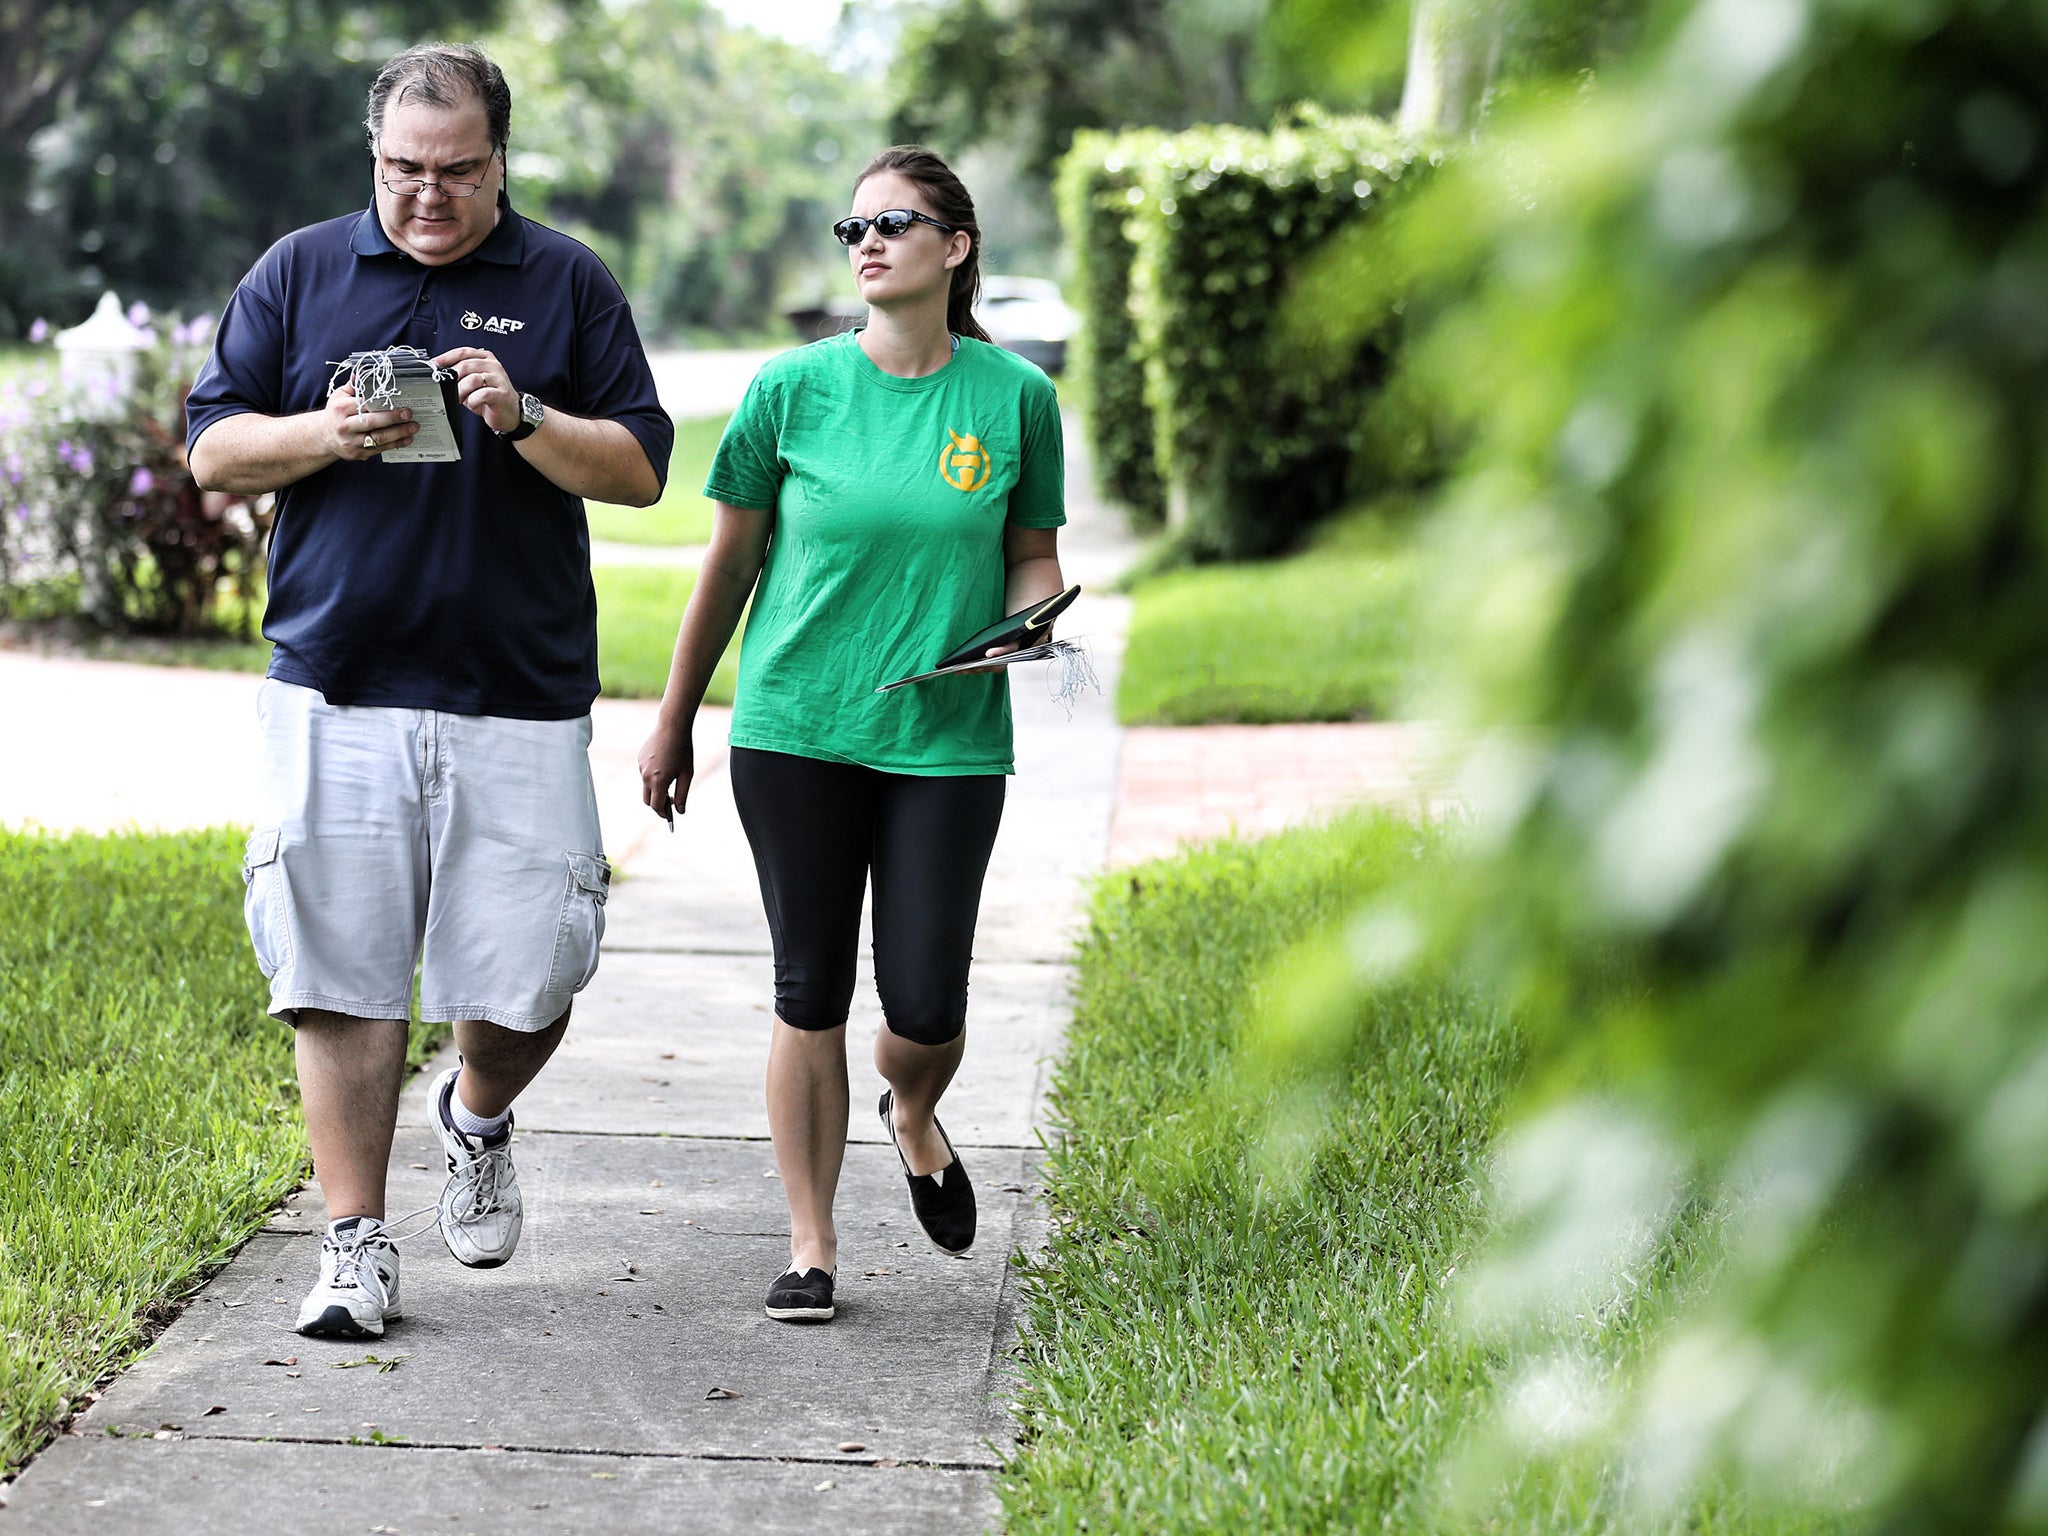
<point x="964" y="463"/>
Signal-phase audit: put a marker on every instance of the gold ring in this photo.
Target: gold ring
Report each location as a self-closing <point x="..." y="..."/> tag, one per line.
<point x="369" y="441"/>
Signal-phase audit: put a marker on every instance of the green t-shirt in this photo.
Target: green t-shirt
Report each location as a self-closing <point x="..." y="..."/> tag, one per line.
<point x="890" y="496"/>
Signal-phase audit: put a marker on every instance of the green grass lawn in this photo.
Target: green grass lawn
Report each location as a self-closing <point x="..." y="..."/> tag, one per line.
<point x="682" y="516"/>
<point x="1321" y="635"/>
<point x="1211" y="1347"/>
<point x="639" y="609"/>
<point x="148" y="1105"/>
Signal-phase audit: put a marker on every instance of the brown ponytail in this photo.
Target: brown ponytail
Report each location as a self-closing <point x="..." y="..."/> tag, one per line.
<point x="950" y="205"/>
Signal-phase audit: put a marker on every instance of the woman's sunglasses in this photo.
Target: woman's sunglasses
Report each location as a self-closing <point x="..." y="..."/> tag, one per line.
<point x="890" y="223"/>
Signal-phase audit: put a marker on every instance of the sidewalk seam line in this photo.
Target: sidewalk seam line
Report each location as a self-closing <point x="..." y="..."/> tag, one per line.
<point x="558" y="1450"/>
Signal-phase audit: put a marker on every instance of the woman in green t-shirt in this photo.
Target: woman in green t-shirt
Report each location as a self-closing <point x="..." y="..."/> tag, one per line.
<point x="879" y="495"/>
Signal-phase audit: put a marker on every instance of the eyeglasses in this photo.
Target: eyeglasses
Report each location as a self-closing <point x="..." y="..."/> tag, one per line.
<point x="413" y="186"/>
<point x="890" y="224"/>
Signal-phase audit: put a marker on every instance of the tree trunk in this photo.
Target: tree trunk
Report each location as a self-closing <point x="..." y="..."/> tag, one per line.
<point x="1453" y="51"/>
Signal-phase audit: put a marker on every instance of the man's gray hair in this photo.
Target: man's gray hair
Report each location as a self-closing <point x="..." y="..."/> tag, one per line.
<point x="443" y="75"/>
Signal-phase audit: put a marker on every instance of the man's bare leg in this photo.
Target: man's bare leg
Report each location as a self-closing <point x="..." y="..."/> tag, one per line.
<point x="349" y="1075"/>
<point x="498" y="1063"/>
<point x="807" y="1096"/>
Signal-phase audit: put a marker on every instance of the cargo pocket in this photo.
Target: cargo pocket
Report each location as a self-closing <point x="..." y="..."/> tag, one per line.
<point x="582" y="924"/>
<point x="263" y="902"/>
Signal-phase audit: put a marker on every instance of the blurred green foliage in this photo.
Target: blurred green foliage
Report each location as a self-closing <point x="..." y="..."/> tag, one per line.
<point x="159" y="148"/>
<point x="1035" y="72"/>
<point x="1256" y="435"/>
<point x="703" y="160"/>
<point x="1744" y="600"/>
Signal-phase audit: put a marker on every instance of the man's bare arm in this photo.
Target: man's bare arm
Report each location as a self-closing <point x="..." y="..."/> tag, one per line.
<point x="597" y="459"/>
<point x="251" y="454"/>
<point x="584" y="455"/>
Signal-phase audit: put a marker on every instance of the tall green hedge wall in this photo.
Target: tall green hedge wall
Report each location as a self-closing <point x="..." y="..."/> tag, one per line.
<point x="1189" y="248"/>
<point x="1097" y="187"/>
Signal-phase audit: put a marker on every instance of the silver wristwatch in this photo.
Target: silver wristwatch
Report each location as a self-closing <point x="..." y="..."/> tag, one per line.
<point x="531" y="414"/>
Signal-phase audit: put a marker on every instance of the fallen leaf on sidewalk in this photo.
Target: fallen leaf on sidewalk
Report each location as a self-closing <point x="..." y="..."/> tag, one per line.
<point x="645" y="1212"/>
<point x="873" y="1272"/>
<point x="383" y="1363"/>
<point x="850" y="1446"/>
<point x="234" y="1303"/>
<point x="888" y="1461"/>
<point x="719" y="1395"/>
<point x="287" y="1360"/>
<point x="771" y="1174"/>
<point x="821" y="1487"/>
<point x="216" y="1408"/>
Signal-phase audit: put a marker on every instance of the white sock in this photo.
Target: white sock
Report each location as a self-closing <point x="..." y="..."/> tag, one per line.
<point x="471" y="1124"/>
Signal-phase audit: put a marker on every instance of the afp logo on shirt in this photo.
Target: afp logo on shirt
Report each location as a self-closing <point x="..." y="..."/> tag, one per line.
<point x="498" y="325"/>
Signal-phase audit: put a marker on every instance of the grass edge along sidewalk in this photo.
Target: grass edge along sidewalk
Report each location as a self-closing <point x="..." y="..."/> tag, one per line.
<point x="148" y="1107"/>
<point x="1215" y="1343"/>
<point x="1323" y="634"/>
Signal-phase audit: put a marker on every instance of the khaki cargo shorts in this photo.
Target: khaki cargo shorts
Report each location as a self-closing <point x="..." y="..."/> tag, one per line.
<point x="465" y="845"/>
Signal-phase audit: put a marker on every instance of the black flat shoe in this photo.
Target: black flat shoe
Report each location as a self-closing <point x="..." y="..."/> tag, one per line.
<point x="801" y="1298"/>
<point x="943" y="1202"/>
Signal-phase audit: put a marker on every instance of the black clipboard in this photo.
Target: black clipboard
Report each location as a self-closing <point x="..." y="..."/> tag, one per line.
<point x="1027" y="627"/>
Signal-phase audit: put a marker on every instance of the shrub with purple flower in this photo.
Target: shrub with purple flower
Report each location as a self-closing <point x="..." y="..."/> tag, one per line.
<point x="99" y="514"/>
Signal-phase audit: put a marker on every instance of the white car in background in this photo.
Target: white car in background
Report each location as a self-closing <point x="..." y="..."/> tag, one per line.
<point x="1026" y="315"/>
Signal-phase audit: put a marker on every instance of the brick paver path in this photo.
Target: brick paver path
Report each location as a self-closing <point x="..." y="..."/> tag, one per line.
<point x="1188" y="784"/>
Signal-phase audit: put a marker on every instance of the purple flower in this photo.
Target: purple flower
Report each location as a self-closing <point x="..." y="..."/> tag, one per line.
<point x="39" y="332"/>
<point x="138" y="313"/>
<point x="142" y="482"/>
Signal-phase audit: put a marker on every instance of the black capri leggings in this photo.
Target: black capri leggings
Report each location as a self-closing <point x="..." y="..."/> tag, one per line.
<point x="817" y="829"/>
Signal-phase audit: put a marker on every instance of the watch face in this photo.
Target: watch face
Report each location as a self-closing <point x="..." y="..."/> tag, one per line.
<point x="531" y="410"/>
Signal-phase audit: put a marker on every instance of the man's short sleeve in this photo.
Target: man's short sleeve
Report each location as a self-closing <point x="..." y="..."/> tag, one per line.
<point x="614" y="382"/>
<point x="245" y="370"/>
<point x="747" y="470"/>
<point x="1039" y="499"/>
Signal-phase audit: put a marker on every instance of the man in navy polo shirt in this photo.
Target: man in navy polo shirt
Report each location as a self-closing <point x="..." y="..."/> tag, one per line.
<point x="427" y="714"/>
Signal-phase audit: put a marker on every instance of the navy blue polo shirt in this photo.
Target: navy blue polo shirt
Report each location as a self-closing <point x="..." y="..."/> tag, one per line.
<point x="462" y="587"/>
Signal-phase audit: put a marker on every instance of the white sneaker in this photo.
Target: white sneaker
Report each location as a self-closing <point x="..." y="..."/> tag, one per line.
<point x="358" y="1289"/>
<point x="480" y="1207"/>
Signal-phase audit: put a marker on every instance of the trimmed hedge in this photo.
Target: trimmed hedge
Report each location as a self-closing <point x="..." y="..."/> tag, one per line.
<point x="1097" y="186"/>
<point x="1255" y="435"/>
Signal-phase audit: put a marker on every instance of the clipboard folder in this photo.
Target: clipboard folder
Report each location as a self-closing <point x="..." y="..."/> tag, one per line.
<point x="1029" y="628"/>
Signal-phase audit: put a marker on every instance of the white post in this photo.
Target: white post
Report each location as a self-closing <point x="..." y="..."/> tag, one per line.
<point x="98" y="358"/>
